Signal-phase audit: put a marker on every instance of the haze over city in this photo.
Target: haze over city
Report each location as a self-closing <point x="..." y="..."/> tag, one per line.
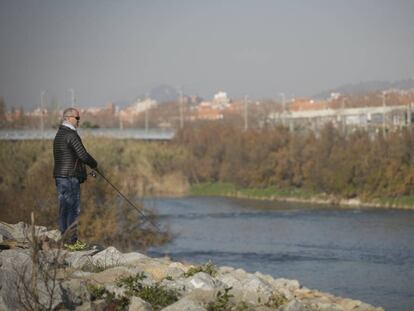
<point x="117" y="51"/>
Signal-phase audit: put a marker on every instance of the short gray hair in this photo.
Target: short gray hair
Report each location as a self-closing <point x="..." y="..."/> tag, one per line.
<point x="68" y="112"/>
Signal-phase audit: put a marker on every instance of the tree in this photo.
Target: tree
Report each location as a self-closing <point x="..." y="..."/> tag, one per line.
<point x="3" y="119"/>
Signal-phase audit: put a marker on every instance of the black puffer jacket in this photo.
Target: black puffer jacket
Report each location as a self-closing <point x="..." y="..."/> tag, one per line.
<point x="70" y="155"/>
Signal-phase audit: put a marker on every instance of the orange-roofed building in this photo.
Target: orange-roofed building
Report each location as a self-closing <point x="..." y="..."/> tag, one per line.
<point x="209" y="113"/>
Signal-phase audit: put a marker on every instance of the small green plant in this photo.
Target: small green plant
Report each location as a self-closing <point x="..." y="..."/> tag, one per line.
<point x="208" y="268"/>
<point x="242" y="306"/>
<point x="169" y="278"/>
<point x="132" y="283"/>
<point x="222" y="302"/>
<point x="113" y="302"/>
<point x="156" y="295"/>
<point x="96" y="292"/>
<point x="116" y="303"/>
<point x="276" y="300"/>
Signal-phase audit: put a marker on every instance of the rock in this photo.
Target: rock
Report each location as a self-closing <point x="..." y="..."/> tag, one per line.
<point x="201" y="280"/>
<point x="203" y="296"/>
<point x="255" y="290"/>
<point x="239" y="274"/>
<point x="131" y="258"/>
<point x="295" y="305"/>
<point x="81" y="274"/>
<point x="229" y="280"/>
<point x="292" y="285"/>
<point x="99" y="305"/>
<point x="79" y="259"/>
<point x="74" y="293"/>
<point x="86" y="306"/>
<point x="13" y="232"/>
<point x="112" y="257"/>
<point x="113" y="274"/>
<point x="16" y="267"/>
<point x="108" y="257"/>
<point x="50" y="294"/>
<point x="349" y="304"/>
<point x="156" y="270"/>
<point x="225" y="269"/>
<point x="175" y="270"/>
<point x="137" y="304"/>
<point x="53" y="235"/>
<point x="19" y="231"/>
<point x="185" y="304"/>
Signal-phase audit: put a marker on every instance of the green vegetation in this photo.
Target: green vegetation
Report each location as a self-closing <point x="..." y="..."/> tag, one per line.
<point x="401" y="201"/>
<point x="276" y="300"/>
<point x="224" y="160"/>
<point x="215" y="159"/>
<point x="113" y="302"/>
<point x="228" y="189"/>
<point x="222" y="302"/>
<point x="208" y="268"/>
<point x="136" y="168"/>
<point x="158" y="296"/>
<point x="96" y="292"/>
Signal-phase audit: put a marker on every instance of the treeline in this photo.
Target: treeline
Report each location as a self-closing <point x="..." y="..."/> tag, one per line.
<point x="138" y="169"/>
<point x="348" y="166"/>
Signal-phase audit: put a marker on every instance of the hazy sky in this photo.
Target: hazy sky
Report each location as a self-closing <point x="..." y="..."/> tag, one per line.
<point x="118" y="50"/>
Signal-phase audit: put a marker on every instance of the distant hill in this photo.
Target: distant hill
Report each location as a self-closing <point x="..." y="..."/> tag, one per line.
<point x="366" y="87"/>
<point x="164" y="93"/>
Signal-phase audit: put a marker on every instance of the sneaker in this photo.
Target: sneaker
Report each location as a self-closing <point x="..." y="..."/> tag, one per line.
<point x="77" y="246"/>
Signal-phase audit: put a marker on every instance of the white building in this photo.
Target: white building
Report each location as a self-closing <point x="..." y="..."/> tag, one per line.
<point x="221" y="100"/>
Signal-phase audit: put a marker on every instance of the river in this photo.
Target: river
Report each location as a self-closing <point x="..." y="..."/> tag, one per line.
<point x="364" y="254"/>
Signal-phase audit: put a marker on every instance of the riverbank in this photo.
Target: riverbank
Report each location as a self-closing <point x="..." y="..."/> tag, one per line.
<point x="297" y="195"/>
<point x="42" y="276"/>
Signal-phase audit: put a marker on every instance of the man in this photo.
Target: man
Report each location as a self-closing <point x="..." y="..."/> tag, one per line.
<point x="70" y="157"/>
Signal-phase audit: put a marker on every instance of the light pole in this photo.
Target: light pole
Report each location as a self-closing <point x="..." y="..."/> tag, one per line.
<point x="148" y="100"/>
<point x="42" y="124"/>
<point x="384" y="105"/>
<point x="283" y="107"/>
<point x="181" y="109"/>
<point x="73" y="97"/>
<point x="246" y="124"/>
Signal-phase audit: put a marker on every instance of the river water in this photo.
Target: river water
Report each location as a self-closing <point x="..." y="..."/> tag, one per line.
<point x="364" y="254"/>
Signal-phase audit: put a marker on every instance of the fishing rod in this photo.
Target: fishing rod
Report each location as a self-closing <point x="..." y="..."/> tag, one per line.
<point x="146" y="218"/>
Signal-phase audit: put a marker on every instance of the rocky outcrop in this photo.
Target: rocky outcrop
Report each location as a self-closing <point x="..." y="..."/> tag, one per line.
<point x="107" y="279"/>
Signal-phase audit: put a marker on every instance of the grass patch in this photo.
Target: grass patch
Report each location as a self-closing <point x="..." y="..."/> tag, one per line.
<point x="208" y="268"/>
<point x="213" y="189"/>
<point x="401" y="201"/>
<point x="156" y="295"/>
<point x="97" y="292"/>
<point x="277" y="300"/>
<point x="228" y="189"/>
<point x="222" y="302"/>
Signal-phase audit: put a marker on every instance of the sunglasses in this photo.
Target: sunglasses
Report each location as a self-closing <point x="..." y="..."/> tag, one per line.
<point x="77" y="118"/>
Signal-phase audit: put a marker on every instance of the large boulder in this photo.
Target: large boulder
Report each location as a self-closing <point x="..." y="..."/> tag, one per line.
<point x="137" y="304"/>
<point x="112" y="257"/>
<point x="185" y="304"/>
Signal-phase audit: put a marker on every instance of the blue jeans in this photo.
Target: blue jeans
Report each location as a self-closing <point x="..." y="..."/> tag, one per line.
<point x="68" y="189"/>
